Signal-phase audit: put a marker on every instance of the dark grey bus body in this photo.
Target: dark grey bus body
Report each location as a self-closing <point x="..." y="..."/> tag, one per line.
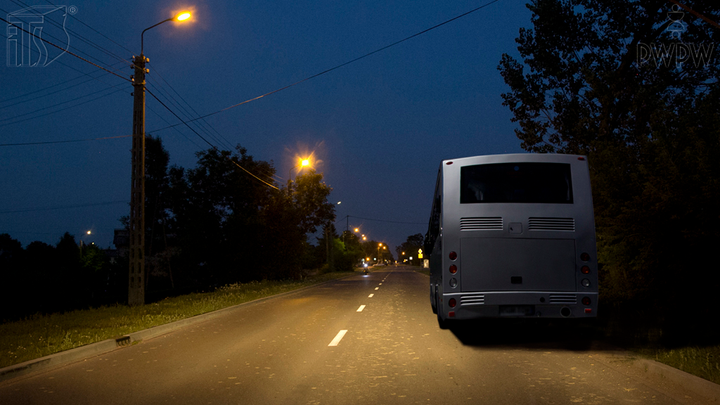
<point x="513" y="236"/>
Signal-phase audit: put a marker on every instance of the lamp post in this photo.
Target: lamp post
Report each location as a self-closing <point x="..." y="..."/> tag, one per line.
<point x="136" y="277"/>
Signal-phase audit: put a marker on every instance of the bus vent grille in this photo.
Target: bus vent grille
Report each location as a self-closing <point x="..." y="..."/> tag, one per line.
<point x="481" y="223"/>
<point x="551" y="224"/>
<point x="475" y="299"/>
<point x="563" y="299"/>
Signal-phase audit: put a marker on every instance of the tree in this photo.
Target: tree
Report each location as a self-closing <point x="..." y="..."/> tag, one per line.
<point x="44" y="277"/>
<point x="157" y="206"/>
<point x="216" y="216"/>
<point x="411" y="247"/>
<point x="604" y="80"/>
<point x="13" y="283"/>
<point x="310" y="199"/>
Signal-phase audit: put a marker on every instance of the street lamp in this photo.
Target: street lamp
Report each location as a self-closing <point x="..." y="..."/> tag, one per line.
<point x="136" y="283"/>
<point x="301" y="164"/>
<point x="183" y="16"/>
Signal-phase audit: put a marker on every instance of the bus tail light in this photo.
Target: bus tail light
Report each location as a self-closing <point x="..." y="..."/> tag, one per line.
<point x="453" y="255"/>
<point x="453" y="269"/>
<point x="452" y="302"/>
<point x="585" y="270"/>
<point x="586" y="300"/>
<point x="585" y="257"/>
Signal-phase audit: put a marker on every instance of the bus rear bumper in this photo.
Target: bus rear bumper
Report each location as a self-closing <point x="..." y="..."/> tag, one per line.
<point x="473" y="305"/>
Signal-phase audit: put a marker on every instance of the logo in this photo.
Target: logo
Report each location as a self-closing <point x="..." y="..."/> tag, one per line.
<point x="29" y="28"/>
<point x="675" y="53"/>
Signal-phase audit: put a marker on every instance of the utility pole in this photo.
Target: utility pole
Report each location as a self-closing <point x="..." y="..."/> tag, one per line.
<point x="136" y="275"/>
<point x="136" y="286"/>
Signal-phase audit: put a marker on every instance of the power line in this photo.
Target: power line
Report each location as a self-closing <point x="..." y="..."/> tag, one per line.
<point x="65" y="141"/>
<point x="204" y="121"/>
<point x="340" y="65"/>
<point x="57" y="111"/>
<point x="185" y="122"/>
<point x="65" y="50"/>
<point x="63" y="207"/>
<point x="76" y="35"/>
<point x="48" y="88"/>
<point x="209" y="143"/>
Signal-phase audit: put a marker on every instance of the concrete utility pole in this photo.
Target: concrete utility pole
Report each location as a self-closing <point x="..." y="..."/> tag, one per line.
<point x="136" y="275"/>
<point x="136" y="285"/>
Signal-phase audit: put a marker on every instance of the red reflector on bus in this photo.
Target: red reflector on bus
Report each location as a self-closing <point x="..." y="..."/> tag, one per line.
<point x="451" y="314"/>
<point x="453" y="269"/>
<point x="581" y="158"/>
<point x="452" y="302"/>
<point x="448" y="163"/>
<point x="588" y="310"/>
<point x="453" y="255"/>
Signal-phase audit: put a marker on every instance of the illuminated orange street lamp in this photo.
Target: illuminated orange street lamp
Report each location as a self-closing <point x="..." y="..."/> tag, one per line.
<point x="183" y="16"/>
<point x="301" y="164"/>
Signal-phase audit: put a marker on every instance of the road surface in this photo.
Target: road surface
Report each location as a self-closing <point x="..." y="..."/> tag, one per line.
<point x="364" y="339"/>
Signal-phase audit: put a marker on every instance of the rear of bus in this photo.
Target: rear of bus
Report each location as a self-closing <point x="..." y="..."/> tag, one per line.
<point x="517" y="238"/>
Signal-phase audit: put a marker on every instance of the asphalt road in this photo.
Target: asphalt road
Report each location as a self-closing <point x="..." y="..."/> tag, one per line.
<point x="280" y="351"/>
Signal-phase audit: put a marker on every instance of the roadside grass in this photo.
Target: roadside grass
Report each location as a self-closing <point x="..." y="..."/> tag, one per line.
<point x="42" y="335"/>
<point x="703" y="362"/>
<point x="693" y="349"/>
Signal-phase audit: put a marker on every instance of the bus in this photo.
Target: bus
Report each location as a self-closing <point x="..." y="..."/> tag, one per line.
<point x="512" y="236"/>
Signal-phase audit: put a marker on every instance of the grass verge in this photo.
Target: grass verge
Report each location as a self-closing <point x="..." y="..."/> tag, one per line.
<point x="42" y="335"/>
<point x="691" y="347"/>
<point x="703" y="362"/>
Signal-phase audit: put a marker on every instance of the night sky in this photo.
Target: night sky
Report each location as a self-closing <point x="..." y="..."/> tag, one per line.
<point x="378" y="127"/>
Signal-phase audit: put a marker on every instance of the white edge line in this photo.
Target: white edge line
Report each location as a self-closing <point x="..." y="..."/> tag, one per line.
<point x="338" y="338"/>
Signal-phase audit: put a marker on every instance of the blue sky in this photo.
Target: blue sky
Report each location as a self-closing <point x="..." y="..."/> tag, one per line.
<point x="380" y="126"/>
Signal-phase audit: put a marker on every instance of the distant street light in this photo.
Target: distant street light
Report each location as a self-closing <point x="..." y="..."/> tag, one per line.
<point x="136" y="278"/>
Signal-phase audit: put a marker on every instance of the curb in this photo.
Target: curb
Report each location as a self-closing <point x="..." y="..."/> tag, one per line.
<point x="698" y="385"/>
<point x="57" y="360"/>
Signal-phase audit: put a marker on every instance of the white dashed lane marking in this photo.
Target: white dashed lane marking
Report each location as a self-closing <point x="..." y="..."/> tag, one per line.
<point x="371" y="295"/>
<point x="361" y="308"/>
<point x="338" y="338"/>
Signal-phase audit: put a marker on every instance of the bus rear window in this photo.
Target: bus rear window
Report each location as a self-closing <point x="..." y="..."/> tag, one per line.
<point x="547" y="183"/>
